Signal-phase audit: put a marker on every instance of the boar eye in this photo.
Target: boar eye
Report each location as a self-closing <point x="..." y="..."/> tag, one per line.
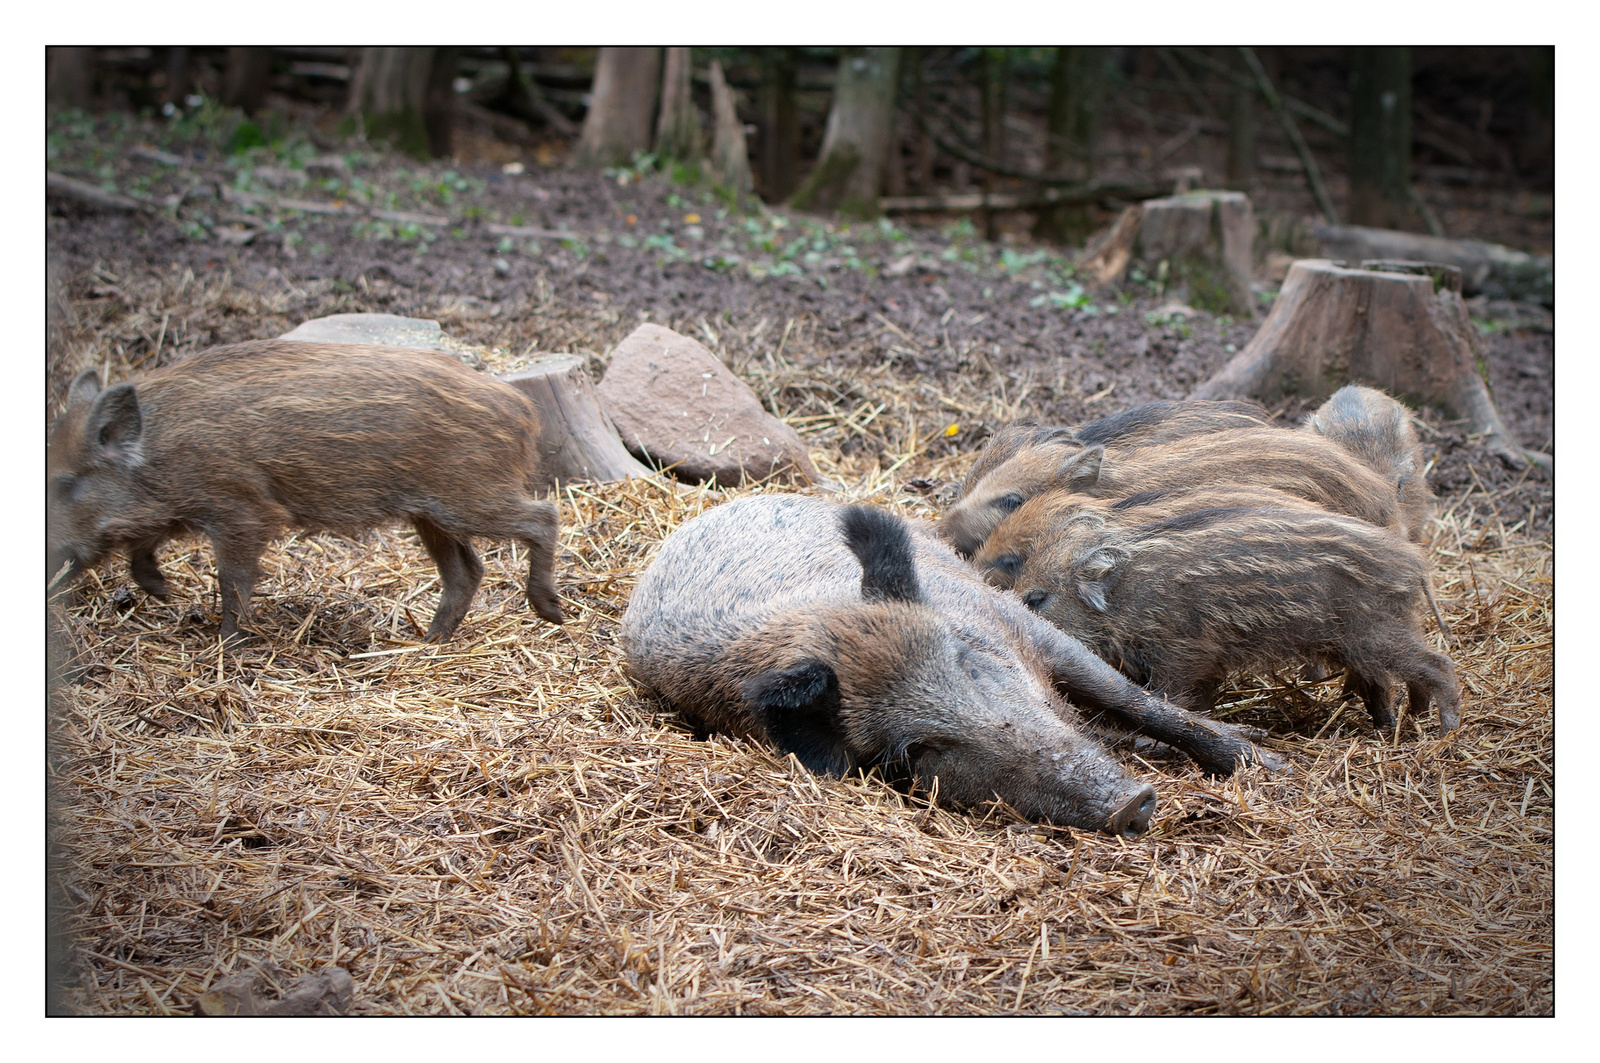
<point x="1009" y="503"/>
<point x="1035" y="599"/>
<point x="61" y="486"/>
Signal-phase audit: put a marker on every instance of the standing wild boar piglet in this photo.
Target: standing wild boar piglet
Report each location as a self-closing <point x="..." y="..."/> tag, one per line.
<point x="1144" y="425"/>
<point x="242" y="441"/>
<point x="1018" y="536"/>
<point x="1299" y="463"/>
<point x="1183" y="602"/>
<point x="1378" y="430"/>
<point x="852" y="639"/>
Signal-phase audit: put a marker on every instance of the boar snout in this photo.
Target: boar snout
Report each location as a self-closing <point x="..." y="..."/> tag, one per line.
<point x="1134" y="817"/>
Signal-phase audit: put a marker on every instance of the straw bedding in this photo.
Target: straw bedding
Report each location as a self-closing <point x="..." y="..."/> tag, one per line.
<point x="505" y="824"/>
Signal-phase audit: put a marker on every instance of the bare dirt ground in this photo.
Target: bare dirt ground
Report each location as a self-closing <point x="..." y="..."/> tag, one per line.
<point x="505" y="824"/>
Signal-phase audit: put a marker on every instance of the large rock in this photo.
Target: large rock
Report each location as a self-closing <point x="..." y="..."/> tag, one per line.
<point x="677" y="406"/>
<point x="389" y="330"/>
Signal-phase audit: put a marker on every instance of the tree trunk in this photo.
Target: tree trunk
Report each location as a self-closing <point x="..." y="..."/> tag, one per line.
<point x="780" y="124"/>
<point x="678" y="129"/>
<point x="996" y="68"/>
<point x="247" y="78"/>
<point x="730" y="156"/>
<point x="1380" y="137"/>
<point x="69" y="82"/>
<point x="1204" y="237"/>
<point x="177" y="74"/>
<point x="394" y="90"/>
<point x="577" y="440"/>
<point x="1077" y="83"/>
<point x="1401" y="327"/>
<point x="1241" y="138"/>
<point x="921" y="177"/>
<point x="1487" y="269"/>
<point x="849" y="174"/>
<point x="439" y="108"/>
<point x="622" y="105"/>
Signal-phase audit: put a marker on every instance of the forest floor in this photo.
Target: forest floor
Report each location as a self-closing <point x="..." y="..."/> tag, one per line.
<point x="505" y="824"/>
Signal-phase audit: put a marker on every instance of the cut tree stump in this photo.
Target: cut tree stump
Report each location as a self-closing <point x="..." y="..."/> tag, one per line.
<point x="577" y="439"/>
<point x="1204" y="237"/>
<point x="1399" y="326"/>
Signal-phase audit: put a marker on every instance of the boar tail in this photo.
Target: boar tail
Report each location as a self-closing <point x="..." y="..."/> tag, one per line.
<point x="882" y="544"/>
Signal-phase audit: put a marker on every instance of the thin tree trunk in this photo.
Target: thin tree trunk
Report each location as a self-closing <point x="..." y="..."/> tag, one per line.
<point x="177" y="86"/>
<point x="1380" y="137"/>
<point x="780" y="124"/>
<point x="69" y="82"/>
<point x="622" y="107"/>
<point x="678" y="129"/>
<point x="849" y="174"/>
<point x="247" y="78"/>
<point x="391" y="91"/>
<point x="1241" y="138"/>
<point x="996" y="68"/>
<point x="922" y="175"/>
<point x="1077" y="84"/>
<point x="730" y="157"/>
<point x="439" y="106"/>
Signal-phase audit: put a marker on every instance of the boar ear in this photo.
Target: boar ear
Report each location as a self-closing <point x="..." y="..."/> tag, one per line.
<point x="1081" y="471"/>
<point x="1098" y="574"/>
<point x="882" y="544"/>
<point x="798" y="708"/>
<point x="116" y="424"/>
<point x="85" y="386"/>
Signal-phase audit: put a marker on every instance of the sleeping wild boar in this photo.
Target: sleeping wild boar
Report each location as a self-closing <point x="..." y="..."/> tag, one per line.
<point x="852" y="639"/>
<point x="239" y="442"/>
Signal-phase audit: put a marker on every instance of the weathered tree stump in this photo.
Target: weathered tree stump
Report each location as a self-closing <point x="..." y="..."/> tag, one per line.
<point x="577" y="439"/>
<point x="1399" y="326"/>
<point x="730" y="158"/>
<point x="1204" y="237"/>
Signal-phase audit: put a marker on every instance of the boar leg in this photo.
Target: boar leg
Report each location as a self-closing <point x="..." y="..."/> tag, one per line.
<point x="238" y="553"/>
<point x="1091" y="682"/>
<point x="460" y="572"/>
<point x="1375" y="691"/>
<point x="1433" y="679"/>
<point x="539" y="530"/>
<point x="146" y="571"/>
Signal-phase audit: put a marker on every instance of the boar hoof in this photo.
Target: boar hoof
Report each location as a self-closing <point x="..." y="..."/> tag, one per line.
<point x="1134" y="817"/>
<point x="548" y="608"/>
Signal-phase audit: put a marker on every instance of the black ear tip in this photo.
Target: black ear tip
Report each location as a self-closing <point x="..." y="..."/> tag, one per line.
<point x="882" y="543"/>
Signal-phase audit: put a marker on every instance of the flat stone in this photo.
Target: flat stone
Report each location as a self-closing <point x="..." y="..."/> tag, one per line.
<point x="390" y="330"/>
<point x="676" y="405"/>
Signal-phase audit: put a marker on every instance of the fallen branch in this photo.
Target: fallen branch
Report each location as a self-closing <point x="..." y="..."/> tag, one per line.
<point x="981" y="161"/>
<point x="965" y="201"/>
<point x="64" y="187"/>
<point x="1292" y="131"/>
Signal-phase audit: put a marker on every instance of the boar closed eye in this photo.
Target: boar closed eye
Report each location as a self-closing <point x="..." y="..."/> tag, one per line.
<point x="1009" y="503"/>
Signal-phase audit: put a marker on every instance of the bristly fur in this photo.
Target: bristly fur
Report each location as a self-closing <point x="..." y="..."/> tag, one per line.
<point x="882" y="544"/>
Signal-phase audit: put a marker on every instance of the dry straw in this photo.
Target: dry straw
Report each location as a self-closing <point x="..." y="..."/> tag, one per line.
<point x="505" y="824"/>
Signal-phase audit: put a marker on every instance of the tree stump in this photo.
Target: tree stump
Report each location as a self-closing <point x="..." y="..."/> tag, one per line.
<point x="1204" y="237"/>
<point x="577" y="440"/>
<point x="1399" y="326"/>
<point x="730" y="157"/>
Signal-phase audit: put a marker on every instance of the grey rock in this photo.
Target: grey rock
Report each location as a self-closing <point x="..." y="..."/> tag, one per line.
<point x="677" y="406"/>
<point x="390" y="330"/>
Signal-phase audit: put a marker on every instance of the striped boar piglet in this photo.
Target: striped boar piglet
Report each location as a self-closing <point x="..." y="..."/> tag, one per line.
<point x="1019" y="535"/>
<point x="1299" y="463"/>
<point x="1140" y="426"/>
<point x="851" y="639"/>
<point x="241" y="441"/>
<point x="1183" y="602"/>
<point x="1379" y="431"/>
